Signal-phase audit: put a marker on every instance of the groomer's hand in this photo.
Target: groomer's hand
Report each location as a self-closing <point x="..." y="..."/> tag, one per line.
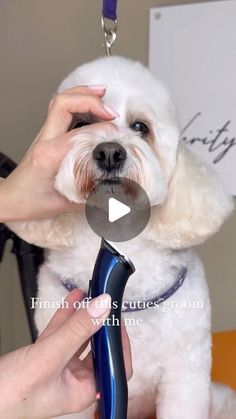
<point x="48" y="379"/>
<point x="28" y="193"/>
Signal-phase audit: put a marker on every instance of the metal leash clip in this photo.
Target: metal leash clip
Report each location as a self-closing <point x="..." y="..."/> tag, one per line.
<point x="109" y="34"/>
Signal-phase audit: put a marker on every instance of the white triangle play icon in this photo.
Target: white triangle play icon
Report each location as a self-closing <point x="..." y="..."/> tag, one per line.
<point x="117" y="209"/>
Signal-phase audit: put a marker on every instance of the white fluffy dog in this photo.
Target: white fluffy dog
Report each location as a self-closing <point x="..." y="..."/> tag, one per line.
<point x="172" y="348"/>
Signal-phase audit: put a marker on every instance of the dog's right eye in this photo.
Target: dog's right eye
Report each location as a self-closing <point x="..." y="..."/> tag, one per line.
<point x="140" y="127"/>
<point x="78" y="124"/>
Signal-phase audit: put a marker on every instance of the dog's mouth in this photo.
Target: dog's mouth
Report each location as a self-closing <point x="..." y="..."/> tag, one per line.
<point x="118" y="185"/>
<point x="116" y="181"/>
<point x="109" y="185"/>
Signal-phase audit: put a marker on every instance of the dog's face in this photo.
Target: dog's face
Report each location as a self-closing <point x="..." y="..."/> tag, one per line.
<point x="140" y="145"/>
<point x="188" y="201"/>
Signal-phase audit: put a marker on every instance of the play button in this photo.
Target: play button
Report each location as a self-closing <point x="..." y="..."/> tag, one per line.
<point x="117" y="209"/>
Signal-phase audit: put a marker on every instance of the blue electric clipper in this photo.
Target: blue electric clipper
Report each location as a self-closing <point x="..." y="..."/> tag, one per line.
<point x="111" y="273"/>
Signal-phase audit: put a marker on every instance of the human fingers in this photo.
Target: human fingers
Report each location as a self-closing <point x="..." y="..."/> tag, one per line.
<point x="98" y="90"/>
<point x="65" y="105"/>
<point x="80" y="326"/>
<point x="63" y="313"/>
<point x="126" y="351"/>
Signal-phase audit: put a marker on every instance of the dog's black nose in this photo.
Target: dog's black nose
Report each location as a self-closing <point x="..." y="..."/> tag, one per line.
<point x="109" y="156"/>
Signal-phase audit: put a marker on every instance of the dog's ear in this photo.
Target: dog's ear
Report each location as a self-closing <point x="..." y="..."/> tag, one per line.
<point x="52" y="233"/>
<point x="195" y="207"/>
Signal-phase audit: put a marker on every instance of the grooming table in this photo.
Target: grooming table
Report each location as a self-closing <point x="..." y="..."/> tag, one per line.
<point x="224" y="366"/>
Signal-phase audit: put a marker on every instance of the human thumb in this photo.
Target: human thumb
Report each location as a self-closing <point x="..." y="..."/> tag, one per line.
<point x="81" y="325"/>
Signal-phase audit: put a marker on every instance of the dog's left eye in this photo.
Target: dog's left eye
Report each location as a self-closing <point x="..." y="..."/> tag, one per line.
<point x="140" y="127"/>
<point x="78" y="124"/>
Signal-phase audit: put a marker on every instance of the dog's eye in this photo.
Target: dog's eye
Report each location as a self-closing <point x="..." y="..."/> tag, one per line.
<point x="140" y="127"/>
<point x="78" y="124"/>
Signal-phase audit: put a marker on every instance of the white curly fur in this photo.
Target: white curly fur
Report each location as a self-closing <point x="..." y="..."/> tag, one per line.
<point x="172" y="349"/>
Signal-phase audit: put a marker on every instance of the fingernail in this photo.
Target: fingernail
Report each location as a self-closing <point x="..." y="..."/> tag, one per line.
<point x="97" y="87"/>
<point x="111" y="111"/>
<point x="99" y="305"/>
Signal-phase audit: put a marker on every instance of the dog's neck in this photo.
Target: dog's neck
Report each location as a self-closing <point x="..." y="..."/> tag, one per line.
<point x="155" y="267"/>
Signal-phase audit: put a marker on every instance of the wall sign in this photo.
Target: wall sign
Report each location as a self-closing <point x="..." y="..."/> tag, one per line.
<point x="193" y="51"/>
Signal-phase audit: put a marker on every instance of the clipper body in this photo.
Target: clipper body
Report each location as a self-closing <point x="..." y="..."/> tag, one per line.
<point x="111" y="273"/>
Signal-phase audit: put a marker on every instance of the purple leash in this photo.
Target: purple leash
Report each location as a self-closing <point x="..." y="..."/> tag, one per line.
<point x="109" y="9"/>
<point x="109" y="12"/>
<point x="158" y="299"/>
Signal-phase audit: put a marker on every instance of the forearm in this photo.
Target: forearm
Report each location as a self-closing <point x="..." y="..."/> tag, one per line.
<point x="13" y="206"/>
<point x="26" y="195"/>
<point x="8" y="207"/>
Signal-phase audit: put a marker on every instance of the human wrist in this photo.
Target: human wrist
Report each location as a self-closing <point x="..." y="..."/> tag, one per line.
<point x="5" y="204"/>
<point x="13" y="407"/>
<point x="19" y="389"/>
<point x="10" y="210"/>
<point x="15" y="201"/>
<point x="11" y="389"/>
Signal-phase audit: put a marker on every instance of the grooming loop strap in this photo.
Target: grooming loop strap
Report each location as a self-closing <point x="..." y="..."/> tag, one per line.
<point x="110" y="33"/>
<point x="132" y="306"/>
